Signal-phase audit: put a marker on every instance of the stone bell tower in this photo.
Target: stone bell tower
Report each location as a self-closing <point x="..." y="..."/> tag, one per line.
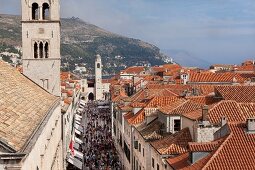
<point x="41" y="43"/>
<point x="98" y="78"/>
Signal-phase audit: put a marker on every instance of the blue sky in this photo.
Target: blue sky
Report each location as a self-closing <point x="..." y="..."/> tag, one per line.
<point x="218" y="31"/>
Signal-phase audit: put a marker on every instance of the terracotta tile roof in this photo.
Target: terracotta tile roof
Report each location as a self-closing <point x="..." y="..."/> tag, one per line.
<point x="236" y="152"/>
<point x="204" y="89"/>
<point x="150" y="93"/>
<point x="158" y="69"/>
<point x="173" y="105"/>
<point x="160" y="101"/>
<point x="232" y="110"/>
<point x="138" y="104"/>
<point x="245" y="68"/>
<point x="23" y="105"/>
<point x="138" y="118"/>
<point x="155" y="135"/>
<point x="237" y="93"/>
<point x="151" y="131"/>
<point x="182" y="108"/>
<point x="206" y="100"/>
<point x="227" y="77"/>
<point x="193" y="115"/>
<point x="228" y="109"/>
<point x="205" y="146"/>
<point x="173" y="144"/>
<point x="181" y="162"/>
<point x="133" y="70"/>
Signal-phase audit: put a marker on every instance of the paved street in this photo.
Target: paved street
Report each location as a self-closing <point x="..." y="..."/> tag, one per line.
<point x="99" y="151"/>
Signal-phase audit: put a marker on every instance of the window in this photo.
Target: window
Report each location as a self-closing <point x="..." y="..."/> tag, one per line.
<point x="35" y="50"/>
<point x="177" y="125"/>
<point x="45" y="11"/>
<point x="120" y="140"/>
<point x="127" y="151"/>
<point x="46" y="50"/>
<point x="35" y="11"/>
<point x="157" y="166"/>
<point x="98" y="65"/>
<point x="136" y="144"/>
<point x="139" y="147"/>
<point x="152" y="162"/>
<point x="41" y="50"/>
<point x="143" y="152"/>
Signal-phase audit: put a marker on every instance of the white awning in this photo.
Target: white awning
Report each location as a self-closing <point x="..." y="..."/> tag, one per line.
<point x="78" y="140"/>
<point x="78" y="154"/>
<point x="78" y="119"/>
<point x="78" y="116"/>
<point x="78" y="127"/>
<point x="80" y="109"/>
<point x="82" y="102"/>
<point x="77" y="163"/>
<point x="77" y="132"/>
<point x="76" y="145"/>
<point x="103" y="107"/>
<point x="77" y="122"/>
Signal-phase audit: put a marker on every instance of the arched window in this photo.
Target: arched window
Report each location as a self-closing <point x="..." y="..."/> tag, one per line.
<point x="35" y="11"/>
<point x="98" y="65"/>
<point x="41" y="49"/>
<point x="35" y="50"/>
<point x="46" y="50"/>
<point x="46" y="11"/>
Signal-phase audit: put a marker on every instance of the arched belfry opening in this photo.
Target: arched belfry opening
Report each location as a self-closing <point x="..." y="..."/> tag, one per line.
<point x="46" y="50"/>
<point x="41" y="49"/>
<point x="35" y="50"/>
<point x="98" y="65"/>
<point x="35" y="11"/>
<point x="45" y="11"/>
<point x="91" y="96"/>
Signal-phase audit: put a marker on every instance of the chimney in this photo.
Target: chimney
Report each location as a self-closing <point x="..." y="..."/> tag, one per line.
<point x="205" y="113"/>
<point x="250" y="125"/>
<point x="223" y="121"/>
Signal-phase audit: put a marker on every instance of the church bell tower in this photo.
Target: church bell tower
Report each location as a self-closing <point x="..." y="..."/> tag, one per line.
<point x="41" y="43"/>
<point x="98" y="78"/>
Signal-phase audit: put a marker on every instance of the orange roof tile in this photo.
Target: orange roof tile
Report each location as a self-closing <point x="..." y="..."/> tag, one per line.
<point x="173" y="144"/>
<point x="181" y="107"/>
<point x="237" y="93"/>
<point x="205" y="146"/>
<point x="159" y="101"/>
<point x="138" y="118"/>
<point x="133" y="70"/>
<point x="227" y="77"/>
<point x="236" y="152"/>
<point x="151" y="131"/>
<point x="206" y="100"/>
<point x="232" y="110"/>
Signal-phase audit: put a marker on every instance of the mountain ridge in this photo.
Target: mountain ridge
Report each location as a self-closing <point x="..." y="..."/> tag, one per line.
<point x="81" y="41"/>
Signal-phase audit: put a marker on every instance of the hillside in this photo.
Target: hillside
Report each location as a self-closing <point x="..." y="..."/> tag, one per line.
<point x="80" y="42"/>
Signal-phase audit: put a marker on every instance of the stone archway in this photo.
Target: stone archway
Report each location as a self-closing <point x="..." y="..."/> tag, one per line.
<point x="91" y="96"/>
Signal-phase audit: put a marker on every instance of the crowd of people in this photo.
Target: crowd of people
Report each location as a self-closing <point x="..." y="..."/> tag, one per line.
<point x="99" y="150"/>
